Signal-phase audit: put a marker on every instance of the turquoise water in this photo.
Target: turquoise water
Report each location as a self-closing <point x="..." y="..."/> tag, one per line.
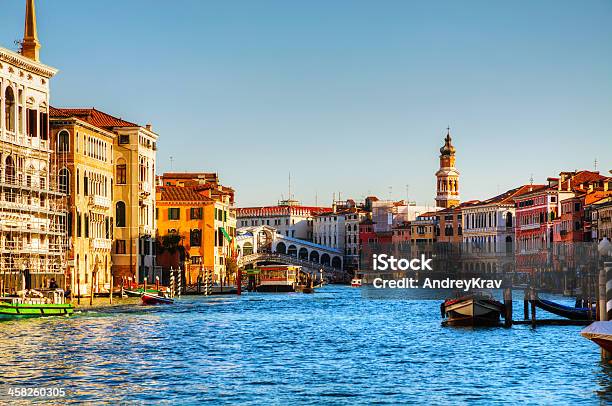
<point x="332" y="347"/>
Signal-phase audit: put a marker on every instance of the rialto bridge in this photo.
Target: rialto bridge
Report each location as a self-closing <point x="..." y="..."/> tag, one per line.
<point x="263" y="244"/>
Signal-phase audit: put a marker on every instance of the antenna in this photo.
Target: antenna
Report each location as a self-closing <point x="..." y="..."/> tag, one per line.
<point x="531" y="179"/>
<point x="595" y="164"/>
<point x="289" y="195"/>
<point x="407" y="194"/>
<point x="171" y="162"/>
<point x="390" y="192"/>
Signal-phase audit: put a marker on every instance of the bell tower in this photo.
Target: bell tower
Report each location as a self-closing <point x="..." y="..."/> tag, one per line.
<point x="30" y="47"/>
<point x="447" y="176"/>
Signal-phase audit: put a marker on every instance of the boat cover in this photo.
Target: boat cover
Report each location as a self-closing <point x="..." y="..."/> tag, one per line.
<point x="598" y="329"/>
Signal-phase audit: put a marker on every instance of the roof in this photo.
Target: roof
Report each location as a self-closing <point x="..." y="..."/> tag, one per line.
<point x="190" y="175"/>
<point x="279" y="211"/>
<point x="91" y="116"/>
<point x="529" y="190"/>
<point x="181" y="194"/>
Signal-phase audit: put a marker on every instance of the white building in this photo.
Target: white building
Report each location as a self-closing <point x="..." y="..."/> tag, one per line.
<point x="288" y="218"/>
<point x="32" y="212"/>
<point x="388" y="213"/>
<point x="490" y="224"/>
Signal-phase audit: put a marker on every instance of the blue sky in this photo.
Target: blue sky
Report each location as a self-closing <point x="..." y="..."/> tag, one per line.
<point x="350" y="96"/>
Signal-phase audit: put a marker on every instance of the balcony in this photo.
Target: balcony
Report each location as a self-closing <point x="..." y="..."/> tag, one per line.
<point x="100" y="201"/>
<point x="100" y="244"/>
<point x="533" y="226"/>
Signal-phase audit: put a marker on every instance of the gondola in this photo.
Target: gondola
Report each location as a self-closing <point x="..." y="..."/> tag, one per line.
<point x="572" y="313"/>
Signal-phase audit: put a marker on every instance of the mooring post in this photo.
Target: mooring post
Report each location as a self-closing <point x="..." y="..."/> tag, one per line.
<point x="78" y="278"/>
<point x="111" y="290"/>
<point x="508" y="307"/>
<point x="608" y="304"/>
<point x="534" y="297"/>
<point x="526" y="305"/>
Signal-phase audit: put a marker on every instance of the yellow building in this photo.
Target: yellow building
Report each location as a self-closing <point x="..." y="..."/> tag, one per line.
<point x="86" y="176"/>
<point x="181" y="199"/>
<point x="131" y="160"/>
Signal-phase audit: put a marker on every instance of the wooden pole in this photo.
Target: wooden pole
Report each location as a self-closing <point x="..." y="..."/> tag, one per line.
<point x="111" y="290"/>
<point x="78" y="278"/>
<point x="508" y="307"/>
<point x="91" y="290"/>
<point x="534" y="296"/>
<point x="526" y="305"/>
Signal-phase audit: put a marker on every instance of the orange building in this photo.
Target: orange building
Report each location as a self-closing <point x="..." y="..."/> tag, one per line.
<point x="196" y="224"/>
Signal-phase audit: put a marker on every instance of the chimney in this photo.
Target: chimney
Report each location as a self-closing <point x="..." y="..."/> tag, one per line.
<point x="569" y="185"/>
<point x="149" y="127"/>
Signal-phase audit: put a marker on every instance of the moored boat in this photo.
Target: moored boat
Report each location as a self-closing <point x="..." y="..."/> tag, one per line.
<point x="572" y="313"/>
<point x="26" y="307"/>
<point x="476" y="309"/>
<point x="356" y="282"/>
<point x="152" y="299"/>
<point x="600" y="332"/>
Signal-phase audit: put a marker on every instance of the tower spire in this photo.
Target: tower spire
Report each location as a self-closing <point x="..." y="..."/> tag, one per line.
<point x="30" y="47"/>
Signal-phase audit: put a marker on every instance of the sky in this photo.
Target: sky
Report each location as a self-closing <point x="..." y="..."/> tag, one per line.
<point x="350" y="97"/>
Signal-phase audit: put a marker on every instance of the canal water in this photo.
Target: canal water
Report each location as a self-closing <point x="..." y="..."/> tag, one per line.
<point x="332" y="347"/>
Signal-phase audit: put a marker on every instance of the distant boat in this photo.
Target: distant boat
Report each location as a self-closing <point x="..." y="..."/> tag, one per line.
<point x="477" y="309"/>
<point x="139" y="292"/>
<point x="152" y="299"/>
<point x="572" y="313"/>
<point x="25" y="307"/>
<point x="600" y="332"/>
<point x="356" y="282"/>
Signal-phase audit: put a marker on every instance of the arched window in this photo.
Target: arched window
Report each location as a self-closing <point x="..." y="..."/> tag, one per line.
<point x="64" y="180"/>
<point x="63" y="141"/>
<point x="509" y="219"/>
<point x="9" y="109"/>
<point x="120" y="214"/>
<point x="9" y="170"/>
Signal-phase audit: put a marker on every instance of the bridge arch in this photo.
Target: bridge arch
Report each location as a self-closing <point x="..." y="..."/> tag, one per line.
<point x="314" y="256"/>
<point x="292" y="250"/>
<point x="325" y="259"/>
<point x="336" y="262"/>
<point x="281" y="248"/>
<point x="303" y="254"/>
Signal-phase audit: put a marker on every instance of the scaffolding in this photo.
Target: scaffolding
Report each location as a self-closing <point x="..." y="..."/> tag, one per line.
<point x="33" y="216"/>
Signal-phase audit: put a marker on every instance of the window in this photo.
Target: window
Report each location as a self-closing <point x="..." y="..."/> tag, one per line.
<point x="44" y="126"/>
<point x="9" y="109"/>
<point x="64" y="181"/>
<point x="32" y="122"/>
<point x="121" y="173"/>
<point x="120" y="247"/>
<point x="120" y="214"/>
<point x="63" y="141"/>
<point x="174" y="213"/>
<point x="195" y="238"/>
<point x="195" y="213"/>
<point x="124" y="139"/>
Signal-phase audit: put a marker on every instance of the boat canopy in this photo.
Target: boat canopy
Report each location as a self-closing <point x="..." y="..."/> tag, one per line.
<point x="598" y="329"/>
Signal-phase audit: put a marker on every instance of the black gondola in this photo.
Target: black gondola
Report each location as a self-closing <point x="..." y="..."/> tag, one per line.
<point x="572" y="313"/>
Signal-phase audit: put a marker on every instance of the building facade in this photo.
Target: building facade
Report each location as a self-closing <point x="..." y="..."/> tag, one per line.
<point x="133" y="156"/>
<point x="32" y="209"/>
<point x="197" y="209"/>
<point x="289" y="218"/>
<point x="86" y="176"/>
